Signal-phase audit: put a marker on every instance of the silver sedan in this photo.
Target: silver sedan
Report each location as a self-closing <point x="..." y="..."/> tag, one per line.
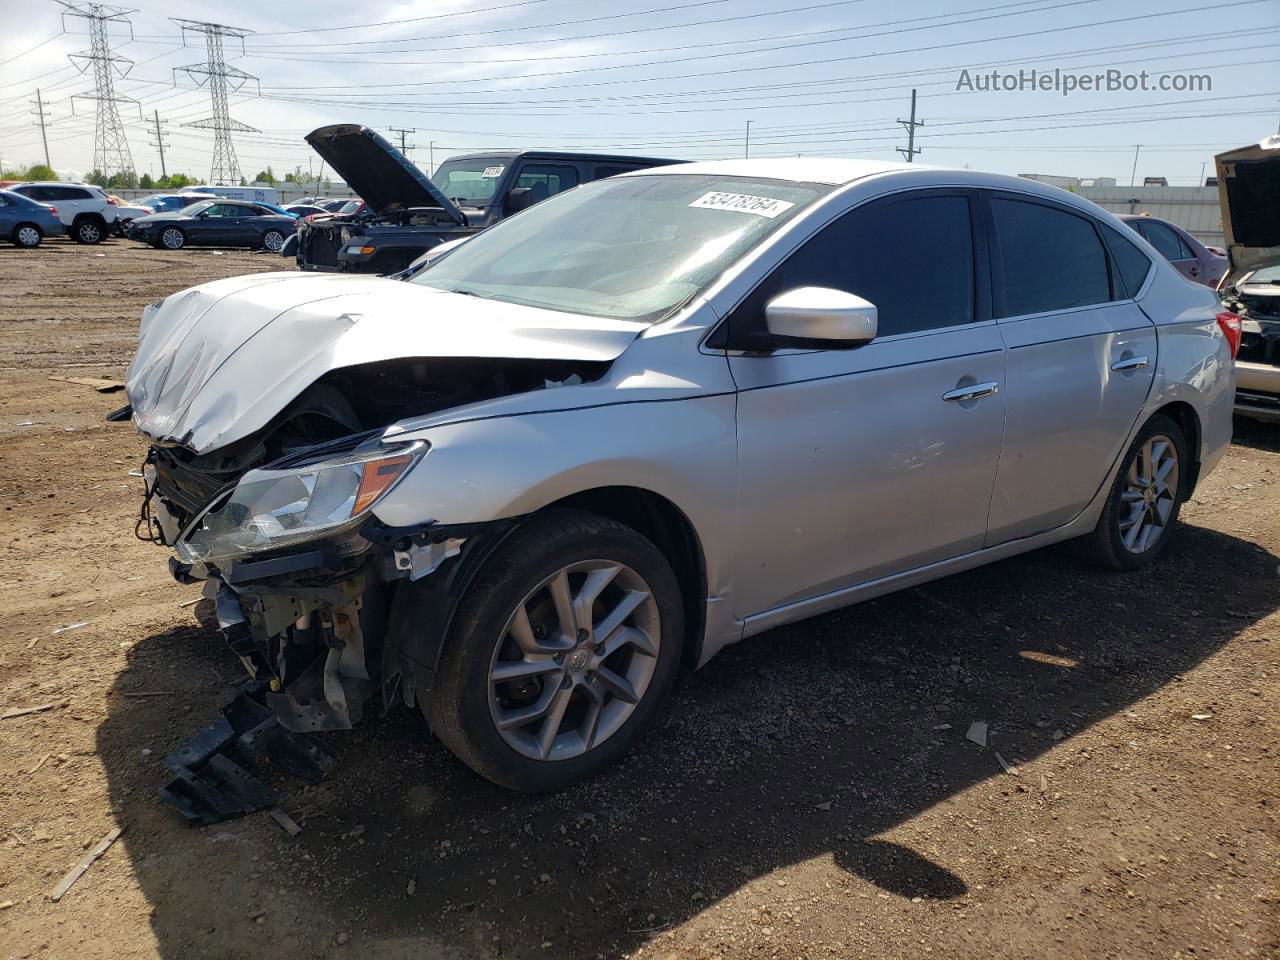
<point x="656" y="415"/>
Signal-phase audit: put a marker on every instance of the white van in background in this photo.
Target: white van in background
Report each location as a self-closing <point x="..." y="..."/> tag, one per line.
<point x="251" y="194"/>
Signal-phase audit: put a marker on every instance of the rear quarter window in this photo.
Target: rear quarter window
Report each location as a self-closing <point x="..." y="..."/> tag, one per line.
<point x="1131" y="264"/>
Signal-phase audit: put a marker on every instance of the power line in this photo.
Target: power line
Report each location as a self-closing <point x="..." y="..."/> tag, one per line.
<point x="110" y="148"/>
<point x="215" y="72"/>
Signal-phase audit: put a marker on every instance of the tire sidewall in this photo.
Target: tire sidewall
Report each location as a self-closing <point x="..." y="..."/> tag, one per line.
<point x="1115" y="509"/>
<point x="478" y="630"/>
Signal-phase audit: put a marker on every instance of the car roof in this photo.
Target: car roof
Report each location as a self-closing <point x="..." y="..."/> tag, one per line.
<point x="560" y="155"/>
<point x="57" y="183"/>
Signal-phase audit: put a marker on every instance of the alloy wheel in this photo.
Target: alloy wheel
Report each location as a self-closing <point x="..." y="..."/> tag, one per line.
<point x="273" y="240"/>
<point x="28" y="236"/>
<point x="172" y="238"/>
<point x="1149" y="494"/>
<point x="575" y="660"/>
<point x="89" y="232"/>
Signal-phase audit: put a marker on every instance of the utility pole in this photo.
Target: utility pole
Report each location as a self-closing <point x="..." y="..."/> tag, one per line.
<point x="431" y="158"/>
<point x="404" y="147"/>
<point x="220" y="78"/>
<point x="38" y="112"/>
<point x="159" y="144"/>
<point x="746" y="151"/>
<point x="110" y="148"/>
<point x="910" y="150"/>
<point x="1133" y="175"/>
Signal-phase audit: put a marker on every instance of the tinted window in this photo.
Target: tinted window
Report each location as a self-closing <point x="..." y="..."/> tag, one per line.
<point x="911" y="257"/>
<point x="1131" y="263"/>
<point x="602" y="170"/>
<point x="1165" y="240"/>
<point x="1052" y="259"/>
<point x="545" y="180"/>
<point x="68" y="193"/>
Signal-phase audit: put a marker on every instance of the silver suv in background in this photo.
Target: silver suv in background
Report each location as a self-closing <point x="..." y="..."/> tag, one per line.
<point x="656" y="414"/>
<point x="87" y="212"/>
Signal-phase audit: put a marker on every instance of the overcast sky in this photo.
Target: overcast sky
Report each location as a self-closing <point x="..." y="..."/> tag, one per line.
<point x="677" y="78"/>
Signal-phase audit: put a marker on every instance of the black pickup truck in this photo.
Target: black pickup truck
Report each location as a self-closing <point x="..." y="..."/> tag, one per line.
<point x="406" y="213"/>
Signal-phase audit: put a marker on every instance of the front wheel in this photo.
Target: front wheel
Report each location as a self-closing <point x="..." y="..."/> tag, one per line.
<point x="273" y="240"/>
<point x="1144" y="502"/>
<point x="171" y="238"/>
<point x="560" y="655"/>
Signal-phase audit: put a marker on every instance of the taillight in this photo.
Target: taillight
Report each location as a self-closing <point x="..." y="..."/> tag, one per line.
<point x="111" y="202"/>
<point x="53" y="210"/>
<point x="1231" y="329"/>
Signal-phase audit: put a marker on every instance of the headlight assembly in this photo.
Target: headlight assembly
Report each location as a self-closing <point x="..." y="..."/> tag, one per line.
<point x="272" y="508"/>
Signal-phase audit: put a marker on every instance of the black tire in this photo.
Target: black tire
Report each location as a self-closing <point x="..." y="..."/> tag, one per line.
<point x="458" y="706"/>
<point x="1105" y="545"/>
<point x="267" y="241"/>
<point x="89" y="230"/>
<point x="27" y="236"/>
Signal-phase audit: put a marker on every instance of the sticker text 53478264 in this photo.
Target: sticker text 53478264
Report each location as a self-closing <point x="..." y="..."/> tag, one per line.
<point x="743" y="203"/>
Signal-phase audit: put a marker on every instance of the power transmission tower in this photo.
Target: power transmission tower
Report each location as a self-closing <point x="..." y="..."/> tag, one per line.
<point x="220" y="78"/>
<point x="159" y="144"/>
<point x="404" y="148"/>
<point x="110" y="148"/>
<point x="910" y="125"/>
<point x="38" y="113"/>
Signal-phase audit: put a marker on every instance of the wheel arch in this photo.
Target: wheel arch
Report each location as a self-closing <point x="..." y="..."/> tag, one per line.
<point x="1185" y="416"/>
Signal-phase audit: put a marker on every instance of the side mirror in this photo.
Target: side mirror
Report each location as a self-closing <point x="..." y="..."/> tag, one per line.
<point x="821" y="317"/>
<point x="518" y="198"/>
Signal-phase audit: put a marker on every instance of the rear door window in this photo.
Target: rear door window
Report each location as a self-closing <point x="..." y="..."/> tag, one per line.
<point x="1050" y="259"/>
<point x="1169" y="244"/>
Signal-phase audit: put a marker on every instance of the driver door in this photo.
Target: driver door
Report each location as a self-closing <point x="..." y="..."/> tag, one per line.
<point x="857" y="464"/>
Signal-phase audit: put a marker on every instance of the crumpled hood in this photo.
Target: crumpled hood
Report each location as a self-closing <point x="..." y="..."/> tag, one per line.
<point x="215" y="363"/>
<point x="1249" y="195"/>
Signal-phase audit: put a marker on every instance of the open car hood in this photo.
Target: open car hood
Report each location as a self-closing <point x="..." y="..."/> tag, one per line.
<point x="215" y="363"/>
<point x="377" y="171"/>
<point x="1249" y="194"/>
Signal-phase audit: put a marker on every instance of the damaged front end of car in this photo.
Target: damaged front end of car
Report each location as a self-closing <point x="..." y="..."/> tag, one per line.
<point x="331" y="611"/>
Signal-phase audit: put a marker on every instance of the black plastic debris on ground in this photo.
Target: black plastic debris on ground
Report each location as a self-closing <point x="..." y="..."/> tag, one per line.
<point x="214" y="778"/>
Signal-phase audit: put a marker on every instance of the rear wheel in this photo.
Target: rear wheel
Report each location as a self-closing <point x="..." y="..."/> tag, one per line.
<point x="273" y="240"/>
<point x="172" y="238"/>
<point x="1144" y="502"/>
<point x="89" y="230"/>
<point x="560" y="654"/>
<point x="27" y="235"/>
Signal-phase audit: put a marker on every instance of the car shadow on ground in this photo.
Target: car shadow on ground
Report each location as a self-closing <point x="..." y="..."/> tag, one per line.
<point x="810" y="741"/>
<point x="1259" y="434"/>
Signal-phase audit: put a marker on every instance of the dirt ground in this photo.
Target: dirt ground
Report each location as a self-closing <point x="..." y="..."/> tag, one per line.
<point x="810" y="794"/>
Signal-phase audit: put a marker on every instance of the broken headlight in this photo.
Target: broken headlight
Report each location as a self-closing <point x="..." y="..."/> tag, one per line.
<point x="272" y="508"/>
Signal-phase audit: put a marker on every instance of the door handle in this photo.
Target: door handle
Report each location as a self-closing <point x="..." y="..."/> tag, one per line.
<point x="974" y="391"/>
<point x="1130" y="363"/>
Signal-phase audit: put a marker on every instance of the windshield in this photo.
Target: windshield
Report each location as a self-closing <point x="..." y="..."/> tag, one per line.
<point x="626" y="248"/>
<point x="470" y="181"/>
<point x="196" y="207"/>
<point x="1264" y="275"/>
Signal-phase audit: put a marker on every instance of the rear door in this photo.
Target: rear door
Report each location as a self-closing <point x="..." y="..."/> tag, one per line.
<point x="1081" y="360"/>
<point x="1171" y="246"/>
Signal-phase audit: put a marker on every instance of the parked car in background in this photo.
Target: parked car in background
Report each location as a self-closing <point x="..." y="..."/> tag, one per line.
<point x="216" y="223"/>
<point x="333" y="206"/>
<point x="407" y="213"/>
<point x="171" y="202"/>
<point x="87" y="212"/>
<point x="1192" y="258"/>
<point x="126" y="213"/>
<point x="303" y="209"/>
<point x="602" y="440"/>
<point x="249" y="194"/>
<point x="1250" y="202"/>
<point x="24" y="222"/>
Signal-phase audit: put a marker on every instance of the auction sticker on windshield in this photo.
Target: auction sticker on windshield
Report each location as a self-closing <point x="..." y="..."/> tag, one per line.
<point x="493" y="171"/>
<point x="743" y="203"/>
